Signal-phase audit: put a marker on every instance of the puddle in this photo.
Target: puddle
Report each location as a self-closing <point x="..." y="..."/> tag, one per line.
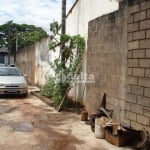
<point x="23" y="126"/>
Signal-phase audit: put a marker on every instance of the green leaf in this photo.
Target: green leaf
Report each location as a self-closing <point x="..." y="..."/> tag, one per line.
<point x="26" y="35"/>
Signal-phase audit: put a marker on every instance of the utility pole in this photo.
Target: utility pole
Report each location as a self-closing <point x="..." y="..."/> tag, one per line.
<point x="63" y="17"/>
<point x="16" y="48"/>
<point x="63" y="31"/>
<point x="9" y="41"/>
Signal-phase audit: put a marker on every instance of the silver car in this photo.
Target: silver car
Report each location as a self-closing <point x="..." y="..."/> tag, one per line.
<point x="12" y="81"/>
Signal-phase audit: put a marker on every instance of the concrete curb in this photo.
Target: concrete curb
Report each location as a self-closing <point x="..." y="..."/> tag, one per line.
<point x="44" y="99"/>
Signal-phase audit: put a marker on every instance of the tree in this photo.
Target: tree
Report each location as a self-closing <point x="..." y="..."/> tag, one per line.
<point x="69" y="59"/>
<point x="26" y="35"/>
<point x="73" y="50"/>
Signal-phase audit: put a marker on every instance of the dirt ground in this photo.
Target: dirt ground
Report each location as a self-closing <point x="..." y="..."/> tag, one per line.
<point x="29" y="124"/>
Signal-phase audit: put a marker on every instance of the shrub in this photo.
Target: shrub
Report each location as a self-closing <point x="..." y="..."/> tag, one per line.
<point x="48" y="89"/>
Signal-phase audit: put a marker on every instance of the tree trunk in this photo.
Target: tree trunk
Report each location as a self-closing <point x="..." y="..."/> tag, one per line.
<point x="63" y="17"/>
<point x="63" y="31"/>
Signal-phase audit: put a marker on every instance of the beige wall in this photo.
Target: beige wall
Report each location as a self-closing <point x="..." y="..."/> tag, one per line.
<point x="25" y="60"/>
<point x="34" y="61"/>
<point x="42" y="57"/>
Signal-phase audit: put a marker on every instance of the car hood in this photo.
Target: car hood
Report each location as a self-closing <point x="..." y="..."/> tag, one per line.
<point x="12" y="80"/>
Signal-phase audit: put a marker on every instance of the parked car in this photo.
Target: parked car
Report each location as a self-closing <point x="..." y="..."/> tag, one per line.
<point x="12" y="81"/>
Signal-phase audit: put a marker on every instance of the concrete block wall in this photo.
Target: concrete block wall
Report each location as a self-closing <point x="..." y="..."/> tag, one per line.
<point x="118" y="55"/>
<point x="138" y="79"/>
<point x="106" y="60"/>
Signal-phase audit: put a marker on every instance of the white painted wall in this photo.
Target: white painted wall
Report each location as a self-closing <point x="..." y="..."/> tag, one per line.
<point x="77" y="23"/>
<point x="42" y="56"/>
<point x="86" y="10"/>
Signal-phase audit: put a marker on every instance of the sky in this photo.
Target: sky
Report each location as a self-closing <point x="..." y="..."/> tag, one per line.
<point x="36" y="12"/>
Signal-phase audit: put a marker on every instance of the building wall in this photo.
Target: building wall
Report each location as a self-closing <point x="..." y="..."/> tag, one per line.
<point x="86" y="10"/>
<point x="6" y="59"/>
<point x="4" y="55"/>
<point x="34" y="61"/>
<point x="138" y="81"/>
<point x="77" y="23"/>
<point x="106" y="60"/>
<point x="119" y="57"/>
<point x="25" y="60"/>
<point x="2" y="58"/>
<point x="42" y="67"/>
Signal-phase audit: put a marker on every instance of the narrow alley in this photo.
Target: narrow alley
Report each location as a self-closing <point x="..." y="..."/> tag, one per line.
<point x="29" y="124"/>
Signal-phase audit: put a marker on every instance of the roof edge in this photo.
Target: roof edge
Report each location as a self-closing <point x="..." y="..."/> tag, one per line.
<point x="70" y="11"/>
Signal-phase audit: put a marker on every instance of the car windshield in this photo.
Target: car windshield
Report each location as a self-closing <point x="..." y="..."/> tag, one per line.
<point x="10" y="72"/>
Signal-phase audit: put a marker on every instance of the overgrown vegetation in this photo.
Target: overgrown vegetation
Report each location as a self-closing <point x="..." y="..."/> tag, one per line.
<point x="48" y="89"/>
<point x="25" y="34"/>
<point x="69" y="59"/>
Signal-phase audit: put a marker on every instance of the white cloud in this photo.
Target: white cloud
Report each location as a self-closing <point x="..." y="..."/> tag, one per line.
<point x="37" y="12"/>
